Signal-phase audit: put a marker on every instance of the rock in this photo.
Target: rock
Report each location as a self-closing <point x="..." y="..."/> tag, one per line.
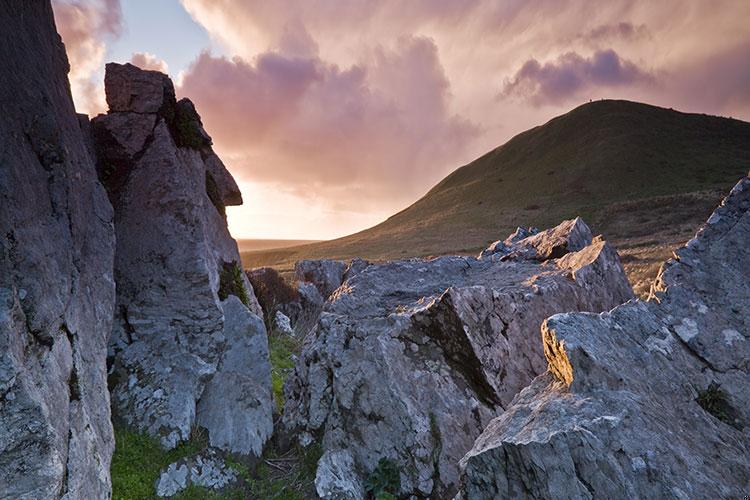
<point x="411" y="359"/>
<point x="205" y="469"/>
<point x="133" y="89"/>
<point x="56" y="287"/>
<point x="282" y="323"/>
<point x="570" y="236"/>
<point x="182" y="334"/>
<point x="327" y="275"/>
<point x="650" y="400"/>
<point x="237" y="406"/>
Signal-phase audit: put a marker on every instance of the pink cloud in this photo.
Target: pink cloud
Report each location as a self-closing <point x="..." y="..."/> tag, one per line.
<point x="146" y="60"/>
<point x="84" y="26"/>
<point x="372" y="131"/>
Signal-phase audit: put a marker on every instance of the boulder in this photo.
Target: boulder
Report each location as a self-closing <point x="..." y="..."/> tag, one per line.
<point x="206" y="469"/>
<point x="132" y="89"/>
<point x="57" y="292"/>
<point x="282" y="323"/>
<point x="188" y="345"/>
<point x="650" y="400"/>
<point x="570" y="236"/>
<point x="327" y="275"/>
<point x="411" y="359"/>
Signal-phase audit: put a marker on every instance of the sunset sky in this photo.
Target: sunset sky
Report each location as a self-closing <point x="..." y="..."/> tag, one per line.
<point x="334" y="114"/>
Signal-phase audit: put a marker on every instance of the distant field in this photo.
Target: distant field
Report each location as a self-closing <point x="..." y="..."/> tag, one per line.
<point x="645" y="177"/>
<point x="261" y="244"/>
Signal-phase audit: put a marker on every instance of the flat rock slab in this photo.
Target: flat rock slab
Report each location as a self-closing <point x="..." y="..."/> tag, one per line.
<point x="411" y="359"/>
<point x="650" y="400"/>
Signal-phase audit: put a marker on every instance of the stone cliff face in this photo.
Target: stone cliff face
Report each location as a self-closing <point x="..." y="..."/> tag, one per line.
<point x="188" y="347"/>
<point x="411" y="359"/>
<point x="56" y="288"/>
<point x="650" y="400"/>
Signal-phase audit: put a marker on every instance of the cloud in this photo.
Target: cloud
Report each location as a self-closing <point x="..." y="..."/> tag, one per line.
<point x="146" y="60"/>
<point x="623" y="30"/>
<point x="84" y="26"/>
<point x="355" y="136"/>
<point x="567" y="76"/>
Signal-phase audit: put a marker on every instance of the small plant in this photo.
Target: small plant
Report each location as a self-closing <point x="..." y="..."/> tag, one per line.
<point x="714" y="401"/>
<point x="187" y="127"/>
<point x="385" y="481"/>
<point x="230" y="282"/>
<point x="281" y="348"/>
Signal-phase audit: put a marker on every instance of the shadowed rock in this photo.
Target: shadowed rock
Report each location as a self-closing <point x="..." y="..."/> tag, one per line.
<point x="650" y="400"/>
<point x="56" y="288"/>
<point x="188" y="346"/>
<point x="411" y="359"/>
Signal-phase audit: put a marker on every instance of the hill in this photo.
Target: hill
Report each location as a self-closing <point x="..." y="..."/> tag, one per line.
<point x="643" y="176"/>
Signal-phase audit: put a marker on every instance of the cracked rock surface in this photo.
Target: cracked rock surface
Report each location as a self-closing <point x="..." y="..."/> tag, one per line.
<point x="206" y="469"/>
<point x="185" y="350"/>
<point x="411" y="359"/>
<point x="56" y="289"/>
<point x="650" y="400"/>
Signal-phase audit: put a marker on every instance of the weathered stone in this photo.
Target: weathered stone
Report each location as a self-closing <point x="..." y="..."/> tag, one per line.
<point x="56" y="286"/>
<point x="327" y="275"/>
<point x="282" y="323"/>
<point x="206" y="469"/>
<point x="237" y="406"/>
<point x="179" y="324"/>
<point x="411" y="359"/>
<point x="570" y="236"/>
<point x="650" y="400"/>
<point x="133" y="89"/>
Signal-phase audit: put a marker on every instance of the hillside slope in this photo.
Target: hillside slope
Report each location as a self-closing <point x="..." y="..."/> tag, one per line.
<point x="644" y="176"/>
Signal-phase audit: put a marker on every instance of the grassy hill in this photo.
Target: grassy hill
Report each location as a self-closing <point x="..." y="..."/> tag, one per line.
<point x="644" y="176"/>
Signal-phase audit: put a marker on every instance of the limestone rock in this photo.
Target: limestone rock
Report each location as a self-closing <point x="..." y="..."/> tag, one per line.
<point x="282" y="323"/>
<point x="56" y="287"/>
<point x="570" y="236"/>
<point x="206" y="469"/>
<point x="180" y="327"/>
<point x="327" y="275"/>
<point x="650" y="400"/>
<point x="411" y="359"/>
<point x="133" y="89"/>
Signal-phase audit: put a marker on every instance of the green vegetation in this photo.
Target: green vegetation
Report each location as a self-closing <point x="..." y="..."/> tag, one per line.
<point x="714" y="401"/>
<point x="137" y="460"/>
<point x="281" y="348"/>
<point x="186" y="127"/>
<point x="645" y="177"/>
<point x="385" y="481"/>
<point x="231" y="283"/>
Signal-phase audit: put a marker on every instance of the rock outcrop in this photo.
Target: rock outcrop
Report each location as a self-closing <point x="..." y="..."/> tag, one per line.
<point x="206" y="470"/>
<point x="56" y="288"/>
<point x="650" y="400"/>
<point x="411" y="359"/>
<point x="188" y="346"/>
<point x="327" y="275"/>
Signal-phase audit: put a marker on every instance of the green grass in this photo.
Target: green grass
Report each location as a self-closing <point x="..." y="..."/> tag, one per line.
<point x="281" y="347"/>
<point x="137" y="461"/>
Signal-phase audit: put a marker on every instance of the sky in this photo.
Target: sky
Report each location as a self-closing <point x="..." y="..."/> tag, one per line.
<point x="334" y="114"/>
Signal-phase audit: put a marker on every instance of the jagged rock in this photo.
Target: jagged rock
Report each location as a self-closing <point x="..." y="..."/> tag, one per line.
<point x="327" y="275"/>
<point x="570" y="236"/>
<point x="205" y="469"/>
<point x="282" y="323"/>
<point x="411" y="359"/>
<point x="180" y="334"/>
<point x="56" y="287"/>
<point x="137" y="90"/>
<point x="650" y="400"/>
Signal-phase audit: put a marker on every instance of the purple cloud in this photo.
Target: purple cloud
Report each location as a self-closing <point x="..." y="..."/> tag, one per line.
<point x="556" y="81"/>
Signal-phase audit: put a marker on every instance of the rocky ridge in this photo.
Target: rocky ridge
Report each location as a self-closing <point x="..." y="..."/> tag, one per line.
<point x="650" y="400"/>
<point x="411" y="359"/>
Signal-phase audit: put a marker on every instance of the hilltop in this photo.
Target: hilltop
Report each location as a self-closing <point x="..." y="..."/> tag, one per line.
<point x="642" y="175"/>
